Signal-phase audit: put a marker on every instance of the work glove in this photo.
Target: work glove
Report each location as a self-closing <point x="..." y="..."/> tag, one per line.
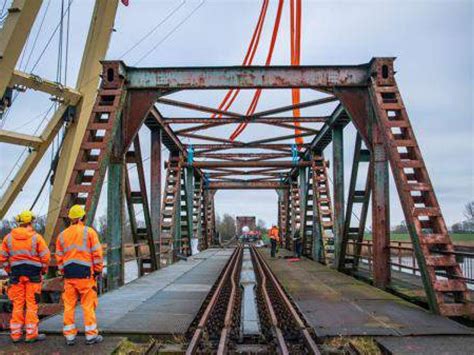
<point x="60" y="273"/>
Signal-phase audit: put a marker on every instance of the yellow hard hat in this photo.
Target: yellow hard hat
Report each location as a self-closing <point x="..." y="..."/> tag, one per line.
<point x="25" y="217"/>
<point x="76" y="211"/>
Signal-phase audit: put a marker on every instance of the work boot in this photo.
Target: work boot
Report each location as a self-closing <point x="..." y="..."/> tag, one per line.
<point x="95" y="340"/>
<point x="16" y="341"/>
<point x="70" y="342"/>
<point x="40" y="337"/>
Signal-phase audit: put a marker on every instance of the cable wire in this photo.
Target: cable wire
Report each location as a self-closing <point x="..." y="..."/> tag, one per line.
<point x="149" y="33"/>
<point x="50" y="40"/>
<point x="182" y="22"/>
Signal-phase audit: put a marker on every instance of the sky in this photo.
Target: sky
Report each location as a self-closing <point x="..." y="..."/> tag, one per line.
<point x="432" y="40"/>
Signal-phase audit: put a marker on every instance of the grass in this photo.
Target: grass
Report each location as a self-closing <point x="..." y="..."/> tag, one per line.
<point x="402" y="237"/>
<point x="343" y="345"/>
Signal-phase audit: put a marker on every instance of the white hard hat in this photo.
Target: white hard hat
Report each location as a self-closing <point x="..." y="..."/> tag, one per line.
<point x="245" y="229"/>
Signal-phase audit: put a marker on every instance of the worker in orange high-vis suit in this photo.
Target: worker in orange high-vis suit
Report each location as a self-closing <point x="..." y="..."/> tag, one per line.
<point x="25" y="257"/>
<point x="79" y="260"/>
<point x="274" y="236"/>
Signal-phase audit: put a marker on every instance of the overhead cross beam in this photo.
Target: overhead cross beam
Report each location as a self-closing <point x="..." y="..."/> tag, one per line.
<point x="248" y="119"/>
<point x="254" y="77"/>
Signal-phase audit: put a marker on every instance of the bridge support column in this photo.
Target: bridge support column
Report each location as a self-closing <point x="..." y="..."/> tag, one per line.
<point x="189" y="201"/>
<point x="115" y="223"/>
<point x="155" y="187"/>
<point x="380" y="212"/>
<point x="338" y="176"/>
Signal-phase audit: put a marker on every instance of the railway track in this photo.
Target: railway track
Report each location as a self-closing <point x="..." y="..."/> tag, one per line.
<point x="223" y="324"/>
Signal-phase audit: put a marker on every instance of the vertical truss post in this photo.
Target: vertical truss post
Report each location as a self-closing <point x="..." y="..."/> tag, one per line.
<point x="189" y="201"/>
<point x="13" y="35"/>
<point x="318" y="243"/>
<point x="115" y="223"/>
<point x="294" y="214"/>
<point x="380" y="211"/>
<point x="142" y="235"/>
<point x="178" y="235"/>
<point x="303" y="192"/>
<point x="361" y="197"/>
<point x="338" y="173"/>
<point x="155" y="188"/>
<point x="171" y="210"/>
<point x="283" y="212"/>
<point x="197" y="211"/>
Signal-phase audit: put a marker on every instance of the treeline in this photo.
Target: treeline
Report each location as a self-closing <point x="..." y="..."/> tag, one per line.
<point x="464" y="226"/>
<point x="226" y="226"/>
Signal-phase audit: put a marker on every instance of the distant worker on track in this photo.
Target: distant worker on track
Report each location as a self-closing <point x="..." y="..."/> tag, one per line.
<point x="25" y="257"/>
<point x="79" y="260"/>
<point x="273" y="234"/>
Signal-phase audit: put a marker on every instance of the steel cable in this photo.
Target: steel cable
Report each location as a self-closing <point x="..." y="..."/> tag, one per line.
<point x="258" y="92"/>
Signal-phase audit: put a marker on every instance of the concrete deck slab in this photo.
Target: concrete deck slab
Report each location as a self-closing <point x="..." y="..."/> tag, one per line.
<point x="162" y="303"/>
<point x="336" y="304"/>
<point x="54" y="344"/>
<point x="428" y="345"/>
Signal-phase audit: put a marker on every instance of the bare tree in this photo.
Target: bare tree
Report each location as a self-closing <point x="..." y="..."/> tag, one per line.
<point x="225" y="226"/>
<point x="469" y="211"/>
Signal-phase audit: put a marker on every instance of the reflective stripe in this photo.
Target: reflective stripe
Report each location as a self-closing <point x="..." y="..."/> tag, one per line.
<point x="9" y="242"/>
<point x="30" y="331"/>
<point x="4" y="253"/>
<point x="69" y="327"/>
<point x="98" y="261"/>
<point x="5" y="264"/>
<point x="34" y="242"/>
<point x="96" y="247"/>
<point x="15" y="331"/>
<point x="31" y="325"/>
<point x="89" y="328"/>
<point x="28" y="262"/>
<point x="77" y="261"/>
<point x="60" y="253"/>
<point x="43" y="253"/>
<point x="84" y="237"/>
<point x="61" y="239"/>
<point x="15" y="325"/>
<point x="21" y="252"/>
<point x="82" y="247"/>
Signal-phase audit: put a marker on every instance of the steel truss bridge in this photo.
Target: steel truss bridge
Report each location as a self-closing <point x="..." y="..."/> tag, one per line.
<point x="102" y="137"/>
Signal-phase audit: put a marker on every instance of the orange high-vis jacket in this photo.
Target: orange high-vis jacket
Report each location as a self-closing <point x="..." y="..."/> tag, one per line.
<point x="79" y="245"/>
<point x="24" y="252"/>
<point x="273" y="234"/>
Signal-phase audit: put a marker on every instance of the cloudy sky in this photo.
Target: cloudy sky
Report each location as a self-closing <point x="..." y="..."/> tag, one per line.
<point x="432" y="40"/>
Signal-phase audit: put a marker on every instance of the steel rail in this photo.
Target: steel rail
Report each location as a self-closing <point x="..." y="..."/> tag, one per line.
<point x="223" y="341"/>
<point x="192" y="348"/>
<point x="310" y="343"/>
<point x="274" y="320"/>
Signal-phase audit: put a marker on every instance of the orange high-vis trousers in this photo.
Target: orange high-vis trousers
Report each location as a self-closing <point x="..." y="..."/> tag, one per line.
<point x="86" y="289"/>
<point x="21" y="293"/>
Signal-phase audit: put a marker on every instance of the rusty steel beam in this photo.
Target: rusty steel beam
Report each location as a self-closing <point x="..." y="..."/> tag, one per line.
<point x="280" y="138"/>
<point x="313" y="77"/>
<point x="248" y="119"/>
<point x="305" y="104"/>
<point x="244" y="155"/>
<point x="258" y="185"/>
<point x="190" y="106"/>
<point x="210" y="139"/>
<point x="247" y="164"/>
<point x="285" y="146"/>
